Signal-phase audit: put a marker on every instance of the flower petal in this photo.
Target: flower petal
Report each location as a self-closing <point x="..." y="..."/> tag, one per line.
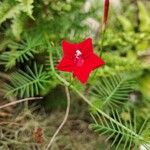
<point x="68" y="48"/>
<point x="82" y="73"/>
<point x="86" y="47"/>
<point x="65" y="65"/>
<point x="94" y="61"/>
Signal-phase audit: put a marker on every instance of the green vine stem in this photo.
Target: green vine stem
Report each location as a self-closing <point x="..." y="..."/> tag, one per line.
<point x="89" y="103"/>
<point x="102" y="39"/>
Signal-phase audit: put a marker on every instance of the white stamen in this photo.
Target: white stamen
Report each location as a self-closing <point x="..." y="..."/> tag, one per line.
<point x="78" y="53"/>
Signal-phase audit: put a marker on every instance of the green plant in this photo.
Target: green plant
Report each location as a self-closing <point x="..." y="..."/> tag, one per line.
<point x="14" y="10"/>
<point x="113" y="91"/>
<point x="111" y="123"/>
<point x="29" y="83"/>
<point x="21" y="52"/>
<point x="123" y="133"/>
<point x="117" y="94"/>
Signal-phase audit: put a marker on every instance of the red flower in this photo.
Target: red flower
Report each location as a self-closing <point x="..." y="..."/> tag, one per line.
<point x="79" y="59"/>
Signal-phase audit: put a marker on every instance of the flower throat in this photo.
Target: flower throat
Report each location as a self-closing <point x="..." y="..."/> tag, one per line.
<point x="78" y="60"/>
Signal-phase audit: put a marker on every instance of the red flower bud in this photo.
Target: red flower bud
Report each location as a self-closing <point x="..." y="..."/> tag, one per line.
<point x="106" y="10"/>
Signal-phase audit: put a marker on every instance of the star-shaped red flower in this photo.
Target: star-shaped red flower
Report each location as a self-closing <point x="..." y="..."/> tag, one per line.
<point x="79" y="59"/>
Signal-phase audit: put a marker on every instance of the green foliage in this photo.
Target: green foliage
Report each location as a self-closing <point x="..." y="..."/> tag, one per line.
<point x="26" y="6"/>
<point x="113" y="91"/>
<point x="27" y="83"/>
<point x="127" y="26"/>
<point x="24" y="24"/>
<point x="13" y="10"/>
<point x="8" y="10"/>
<point x="124" y="134"/>
<point x="116" y="64"/>
<point x="128" y="39"/>
<point x="18" y="25"/>
<point x="21" y="52"/>
<point x="144" y="17"/>
<point x="145" y="86"/>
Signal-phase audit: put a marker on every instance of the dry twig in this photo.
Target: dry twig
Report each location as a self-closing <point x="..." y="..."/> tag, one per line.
<point x="20" y="101"/>
<point x="64" y="120"/>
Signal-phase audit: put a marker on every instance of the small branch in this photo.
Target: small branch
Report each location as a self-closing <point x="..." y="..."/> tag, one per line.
<point x="64" y="121"/>
<point x="20" y="101"/>
<point x="4" y="76"/>
<point x="12" y="123"/>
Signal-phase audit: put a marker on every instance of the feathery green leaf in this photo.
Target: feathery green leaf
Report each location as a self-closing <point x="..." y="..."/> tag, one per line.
<point x="8" y="10"/>
<point x="24" y="52"/>
<point x="113" y="90"/>
<point x="28" y="83"/>
<point x="27" y="6"/>
<point x="118" y="131"/>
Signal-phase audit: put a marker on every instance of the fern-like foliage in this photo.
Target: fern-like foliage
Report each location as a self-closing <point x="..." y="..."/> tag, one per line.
<point x="27" y="6"/>
<point x="28" y="83"/>
<point x="17" y="25"/>
<point x="21" y="53"/>
<point x="126" y="24"/>
<point x="144" y="17"/>
<point x="116" y="64"/>
<point x="113" y="90"/>
<point x="8" y="10"/>
<point x="122" y="133"/>
<point x="13" y="9"/>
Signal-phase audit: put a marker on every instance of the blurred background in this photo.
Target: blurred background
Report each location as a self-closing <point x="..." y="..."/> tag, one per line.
<point x="25" y="28"/>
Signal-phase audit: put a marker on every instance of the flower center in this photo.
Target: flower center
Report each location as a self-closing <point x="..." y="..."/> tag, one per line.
<point x="78" y="60"/>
